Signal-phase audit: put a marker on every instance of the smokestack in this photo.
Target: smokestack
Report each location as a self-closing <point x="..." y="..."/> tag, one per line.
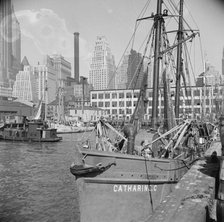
<point x="76" y="56"/>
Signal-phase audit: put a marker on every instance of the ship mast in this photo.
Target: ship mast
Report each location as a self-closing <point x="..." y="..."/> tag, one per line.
<point x="158" y="20"/>
<point x="179" y="60"/>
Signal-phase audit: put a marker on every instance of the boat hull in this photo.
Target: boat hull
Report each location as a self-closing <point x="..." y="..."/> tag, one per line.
<point x="129" y="189"/>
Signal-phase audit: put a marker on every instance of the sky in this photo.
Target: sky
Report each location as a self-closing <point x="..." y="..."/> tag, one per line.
<point x="47" y="27"/>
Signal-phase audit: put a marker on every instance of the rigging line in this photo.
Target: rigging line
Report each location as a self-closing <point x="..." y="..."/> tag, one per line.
<point x="113" y="76"/>
<point x="150" y="192"/>
<point x="141" y="62"/>
<point x="141" y="14"/>
<point x="131" y="39"/>
<point x="192" y="69"/>
<point x="202" y="55"/>
<point x="174" y="10"/>
<point x="184" y="20"/>
<point x="189" y="11"/>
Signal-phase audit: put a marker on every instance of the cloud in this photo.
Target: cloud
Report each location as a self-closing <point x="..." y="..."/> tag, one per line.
<point x="49" y="33"/>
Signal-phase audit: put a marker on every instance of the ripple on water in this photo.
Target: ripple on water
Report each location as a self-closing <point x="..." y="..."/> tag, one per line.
<point x="35" y="181"/>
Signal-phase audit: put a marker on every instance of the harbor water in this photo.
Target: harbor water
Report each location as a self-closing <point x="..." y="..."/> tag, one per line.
<point x="35" y="181"/>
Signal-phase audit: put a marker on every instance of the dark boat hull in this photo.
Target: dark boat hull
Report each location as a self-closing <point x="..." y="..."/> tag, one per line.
<point x="129" y="188"/>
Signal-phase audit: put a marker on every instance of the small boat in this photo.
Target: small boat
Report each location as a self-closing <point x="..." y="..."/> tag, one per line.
<point x="32" y="131"/>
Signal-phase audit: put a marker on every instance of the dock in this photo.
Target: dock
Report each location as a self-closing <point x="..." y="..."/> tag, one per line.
<point x="194" y="198"/>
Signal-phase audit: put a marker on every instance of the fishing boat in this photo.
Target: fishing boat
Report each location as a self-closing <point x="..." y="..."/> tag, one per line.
<point x="119" y="182"/>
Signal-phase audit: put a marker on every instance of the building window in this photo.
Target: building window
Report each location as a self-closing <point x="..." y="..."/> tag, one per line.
<point x="121" y="95"/>
<point x="197" y="92"/>
<point x="114" y="104"/>
<point x="136" y="94"/>
<point x="107" y="96"/>
<point x="128" y="95"/>
<point x="100" y="104"/>
<point x="121" y="111"/>
<point x="94" y="96"/>
<point x="197" y="102"/>
<point x="107" y="104"/>
<point x="128" y="103"/>
<point x="94" y="104"/>
<point x="128" y="111"/>
<point x="100" y="95"/>
<point x="114" y="95"/>
<point x="114" y="111"/>
<point x="121" y="104"/>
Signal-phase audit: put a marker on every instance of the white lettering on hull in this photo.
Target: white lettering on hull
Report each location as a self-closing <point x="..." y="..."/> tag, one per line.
<point x="134" y="188"/>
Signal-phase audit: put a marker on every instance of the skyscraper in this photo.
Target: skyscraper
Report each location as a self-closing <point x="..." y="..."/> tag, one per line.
<point x="121" y="75"/>
<point x="102" y="65"/>
<point x="25" y="86"/>
<point x="63" y="68"/>
<point x="9" y="43"/>
<point x="135" y="70"/>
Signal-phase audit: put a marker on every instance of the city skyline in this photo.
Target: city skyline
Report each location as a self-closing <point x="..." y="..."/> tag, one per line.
<point x="43" y="22"/>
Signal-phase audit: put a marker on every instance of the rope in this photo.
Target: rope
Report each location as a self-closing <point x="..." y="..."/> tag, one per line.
<point x="178" y="168"/>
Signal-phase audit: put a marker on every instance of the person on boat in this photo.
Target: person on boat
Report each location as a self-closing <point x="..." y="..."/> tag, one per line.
<point x="146" y="149"/>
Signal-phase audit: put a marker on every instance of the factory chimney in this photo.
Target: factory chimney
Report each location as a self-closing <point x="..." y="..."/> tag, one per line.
<point x="76" y="56"/>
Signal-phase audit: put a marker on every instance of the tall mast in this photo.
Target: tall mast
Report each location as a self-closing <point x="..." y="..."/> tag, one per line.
<point x="179" y="59"/>
<point x="158" y="19"/>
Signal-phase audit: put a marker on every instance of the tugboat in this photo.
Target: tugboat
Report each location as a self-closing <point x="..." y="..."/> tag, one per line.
<point x="32" y="131"/>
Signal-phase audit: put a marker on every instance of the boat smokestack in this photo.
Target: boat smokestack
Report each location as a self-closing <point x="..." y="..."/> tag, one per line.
<point x="76" y="56"/>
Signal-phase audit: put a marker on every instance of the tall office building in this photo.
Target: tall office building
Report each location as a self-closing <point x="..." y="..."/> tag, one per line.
<point x="9" y="43"/>
<point x="121" y="75"/>
<point x="25" y="86"/>
<point x="46" y="80"/>
<point x="63" y="68"/>
<point x="135" y="70"/>
<point x="102" y="66"/>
